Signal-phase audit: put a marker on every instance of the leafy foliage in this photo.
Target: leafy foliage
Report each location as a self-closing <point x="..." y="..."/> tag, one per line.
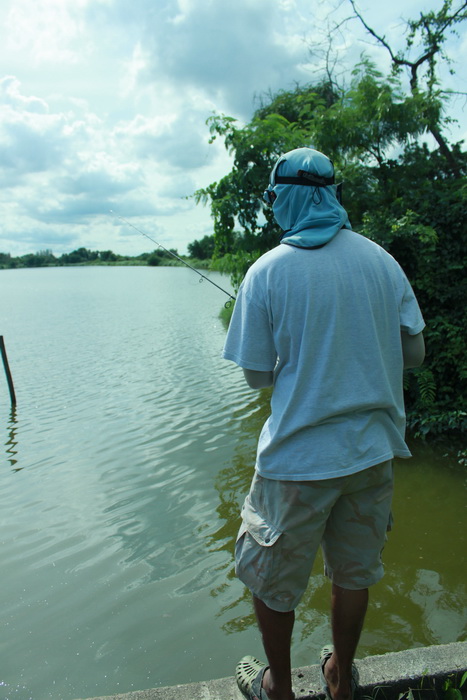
<point x="84" y="256"/>
<point x="202" y="249"/>
<point x="241" y="221"/>
<point x="399" y="192"/>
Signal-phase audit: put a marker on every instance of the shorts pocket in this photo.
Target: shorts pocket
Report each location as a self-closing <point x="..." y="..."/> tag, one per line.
<point x="265" y="534"/>
<point x="256" y="557"/>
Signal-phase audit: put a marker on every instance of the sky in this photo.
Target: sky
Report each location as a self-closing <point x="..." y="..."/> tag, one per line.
<point x="103" y="105"/>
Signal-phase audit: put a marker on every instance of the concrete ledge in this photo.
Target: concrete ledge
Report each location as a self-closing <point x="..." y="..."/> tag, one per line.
<point x="422" y="669"/>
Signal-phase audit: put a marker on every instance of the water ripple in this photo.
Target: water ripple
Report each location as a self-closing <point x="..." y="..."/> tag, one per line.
<point x="124" y="467"/>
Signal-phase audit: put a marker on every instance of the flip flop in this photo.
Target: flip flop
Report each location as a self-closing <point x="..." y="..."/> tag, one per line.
<point x="325" y="655"/>
<point x="249" y="675"/>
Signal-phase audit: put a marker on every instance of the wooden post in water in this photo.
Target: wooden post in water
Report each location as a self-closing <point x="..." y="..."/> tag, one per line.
<point x="7" y="372"/>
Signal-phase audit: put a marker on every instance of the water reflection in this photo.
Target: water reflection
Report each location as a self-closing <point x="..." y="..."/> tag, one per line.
<point x="11" y="443"/>
<point x="439" y="606"/>
<point x="233" y="482"/>
<point x="414" y="604"/>
<point x="138" y="444"/>
<point x="232" y="485"/>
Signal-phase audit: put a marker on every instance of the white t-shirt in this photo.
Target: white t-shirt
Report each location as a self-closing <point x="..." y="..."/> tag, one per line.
<point x="328" y="322"/>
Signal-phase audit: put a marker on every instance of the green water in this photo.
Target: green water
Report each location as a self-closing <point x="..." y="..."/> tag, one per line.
<point x="422" y="598"/>
<point x="123" y="471"/>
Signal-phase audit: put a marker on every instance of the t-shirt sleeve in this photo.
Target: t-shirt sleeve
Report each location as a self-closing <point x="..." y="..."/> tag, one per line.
<point x="249" y="342"/>
<point x="411" y="319"/>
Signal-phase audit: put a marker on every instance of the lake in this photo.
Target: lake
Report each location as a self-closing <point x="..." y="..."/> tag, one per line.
<point x="123" y="469"/>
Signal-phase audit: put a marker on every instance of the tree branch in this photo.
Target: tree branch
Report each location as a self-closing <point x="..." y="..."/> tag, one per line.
<point x="434" y="40"/>
<point x="378" y="38"/>
<point x="413" y="65"/>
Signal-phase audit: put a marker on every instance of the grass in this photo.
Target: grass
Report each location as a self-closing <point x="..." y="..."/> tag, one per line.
<point x="427" y="688"/>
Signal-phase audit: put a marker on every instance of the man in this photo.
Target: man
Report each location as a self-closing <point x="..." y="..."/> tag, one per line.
<point x="328" y="319"/>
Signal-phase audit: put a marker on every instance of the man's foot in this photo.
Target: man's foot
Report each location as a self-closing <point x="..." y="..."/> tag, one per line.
<point x="254" y="681"/>
<point x="273" y="692"/>
<point x="335" y="684"/>
<point x="249" y="675"/>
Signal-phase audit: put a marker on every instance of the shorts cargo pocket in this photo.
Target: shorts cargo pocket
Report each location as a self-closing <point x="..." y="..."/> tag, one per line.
<point x="255" y="553"/>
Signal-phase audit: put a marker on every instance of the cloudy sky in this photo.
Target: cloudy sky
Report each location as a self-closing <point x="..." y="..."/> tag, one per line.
<point x="103" y="105"/>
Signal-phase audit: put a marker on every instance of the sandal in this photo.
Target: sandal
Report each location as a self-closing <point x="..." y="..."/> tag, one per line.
<point x="325" y="655"/>
<point x="249" y="675"/>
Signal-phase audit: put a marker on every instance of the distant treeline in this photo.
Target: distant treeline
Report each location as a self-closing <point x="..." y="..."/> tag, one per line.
<point x="83" y="256"/>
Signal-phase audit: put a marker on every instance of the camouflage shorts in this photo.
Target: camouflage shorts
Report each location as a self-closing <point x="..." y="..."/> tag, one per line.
<point x="285" y="522"/>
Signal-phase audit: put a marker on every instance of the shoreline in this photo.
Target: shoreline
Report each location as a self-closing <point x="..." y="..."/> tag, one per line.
<point x="414" y="673"/>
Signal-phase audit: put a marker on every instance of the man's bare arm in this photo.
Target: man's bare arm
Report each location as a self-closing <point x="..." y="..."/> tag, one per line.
<point x="258" y="380"/>
<point x="413" y="349"/>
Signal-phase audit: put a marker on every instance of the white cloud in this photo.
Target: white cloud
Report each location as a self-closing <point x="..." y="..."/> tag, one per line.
<point x="48" y="30"/>
<point x="229" y="50"/>
<point x="11" y="97"/>
<point x="31" y="138"/>
<point x="103" y="105"/>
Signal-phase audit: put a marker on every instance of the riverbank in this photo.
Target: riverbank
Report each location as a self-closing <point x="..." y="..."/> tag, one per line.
<point x="156" y="261"/>
<point x="422" y="672"/>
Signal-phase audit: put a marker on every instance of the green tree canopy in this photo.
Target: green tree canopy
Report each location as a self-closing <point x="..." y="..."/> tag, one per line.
<point x="202" y="249"/>
<point x="406" y="195"/>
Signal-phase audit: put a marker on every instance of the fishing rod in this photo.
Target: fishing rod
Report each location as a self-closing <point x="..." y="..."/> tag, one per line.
<point x="177" y="257"/>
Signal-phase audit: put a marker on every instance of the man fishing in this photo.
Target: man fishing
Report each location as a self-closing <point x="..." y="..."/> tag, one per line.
<point x="328" y="318"/>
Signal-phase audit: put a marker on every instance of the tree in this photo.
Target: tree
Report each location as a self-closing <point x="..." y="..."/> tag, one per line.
<point x="5" y="260"/>
<point x="162" y="256"/>
<point x="236" y="200"/>
<point x="406" y="196"/>
<point x="203" y="249"/>
<point x="80" y="255"/>
<point x="107" y="256"/>
<point x="40" y="259"/>
<point x="429" y="34"/>
<point x="356" y="129"/>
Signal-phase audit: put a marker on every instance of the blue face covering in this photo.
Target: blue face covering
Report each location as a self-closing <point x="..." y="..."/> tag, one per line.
<point x="309" y="213"/>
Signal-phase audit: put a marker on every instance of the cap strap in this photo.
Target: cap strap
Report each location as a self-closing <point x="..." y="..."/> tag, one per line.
<point x="304" y="178"/>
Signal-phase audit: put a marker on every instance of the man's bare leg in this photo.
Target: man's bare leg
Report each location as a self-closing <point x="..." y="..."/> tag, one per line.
<point x="348" y="609"/>
<point x="276" y="630"/>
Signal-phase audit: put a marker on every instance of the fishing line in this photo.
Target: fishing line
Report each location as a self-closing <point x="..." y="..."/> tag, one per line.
<point x="177" y="257"/>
